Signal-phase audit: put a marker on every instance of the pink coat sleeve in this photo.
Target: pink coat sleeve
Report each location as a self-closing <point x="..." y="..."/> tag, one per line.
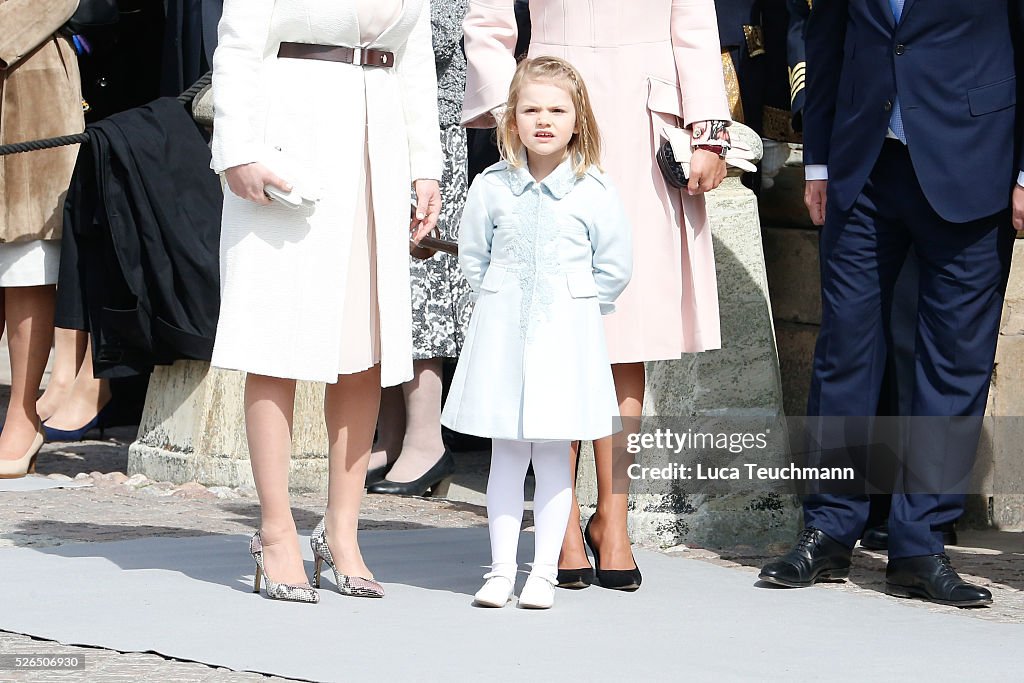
<point x="490" y="38"/>
<point x="699" y="61"/>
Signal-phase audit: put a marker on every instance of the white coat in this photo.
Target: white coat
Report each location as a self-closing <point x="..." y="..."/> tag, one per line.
<point x="283" y="270"/>
<point x="546" y="260"/>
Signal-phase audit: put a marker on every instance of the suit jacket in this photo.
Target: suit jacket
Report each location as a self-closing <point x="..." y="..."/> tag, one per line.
<point x="139" y="262"/>
<point x="953" y="65"/>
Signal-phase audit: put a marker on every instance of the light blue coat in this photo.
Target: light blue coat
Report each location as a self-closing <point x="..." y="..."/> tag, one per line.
<point x="545" y="261"/>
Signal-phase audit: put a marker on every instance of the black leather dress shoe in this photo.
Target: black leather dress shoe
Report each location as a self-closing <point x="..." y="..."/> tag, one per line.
<point x="877" y="537"/>
<point x="932" y="578"/>
<point x="815" y="557"/>
<point x="434" y="481"/>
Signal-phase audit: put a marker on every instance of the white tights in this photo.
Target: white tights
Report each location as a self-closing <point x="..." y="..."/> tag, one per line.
<point x="552" y="501"/>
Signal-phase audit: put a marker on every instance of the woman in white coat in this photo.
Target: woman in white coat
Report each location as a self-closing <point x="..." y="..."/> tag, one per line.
<point x="332" y="105"/>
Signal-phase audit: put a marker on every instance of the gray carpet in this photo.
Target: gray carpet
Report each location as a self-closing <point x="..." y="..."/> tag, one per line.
<point x="191" y="599"/>
<point x="36" y="482"/>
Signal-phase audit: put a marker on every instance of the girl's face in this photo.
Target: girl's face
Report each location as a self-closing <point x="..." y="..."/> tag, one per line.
<point x="545" y="118"/>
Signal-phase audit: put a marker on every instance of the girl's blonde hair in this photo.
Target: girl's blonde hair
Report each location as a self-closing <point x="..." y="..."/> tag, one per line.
<point x="585" y="145"/>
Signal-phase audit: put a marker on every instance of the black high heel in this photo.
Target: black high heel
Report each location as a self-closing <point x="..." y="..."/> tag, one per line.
<point x="576" y="579"/>
<point x="436" y="481"/>
<point x="616" y="579"/>
<point x="376" y="475"/>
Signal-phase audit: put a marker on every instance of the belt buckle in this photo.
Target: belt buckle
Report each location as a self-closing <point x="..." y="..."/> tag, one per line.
<point x="358" y="54"/>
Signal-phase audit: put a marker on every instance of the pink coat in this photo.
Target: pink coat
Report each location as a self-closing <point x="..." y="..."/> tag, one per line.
<point x="647" y="64"/>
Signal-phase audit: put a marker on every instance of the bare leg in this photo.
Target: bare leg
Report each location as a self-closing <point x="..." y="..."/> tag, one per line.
<point x="390" y="428"/>
<point x="422" y="447"/>
<point x="609" y="529"/>
<point x="269" y="406"/>
<point x="68" y="353"/>
<point x="29" y="320"/>
<point x="350" y="409"/>
<point x="88" y="396"/>
<point x="574" y="552"/>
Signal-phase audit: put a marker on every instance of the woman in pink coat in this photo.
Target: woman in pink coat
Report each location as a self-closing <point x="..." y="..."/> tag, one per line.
<point x="649" y="64"/>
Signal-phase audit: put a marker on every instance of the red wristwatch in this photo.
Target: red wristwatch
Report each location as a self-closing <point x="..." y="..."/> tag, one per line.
<point x="714" y="147"/>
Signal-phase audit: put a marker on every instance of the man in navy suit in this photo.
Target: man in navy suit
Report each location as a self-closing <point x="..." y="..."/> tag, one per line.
<point x="910" y="139"/>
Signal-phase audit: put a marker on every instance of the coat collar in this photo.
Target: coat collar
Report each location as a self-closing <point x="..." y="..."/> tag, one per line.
<point x="559" y="183"/>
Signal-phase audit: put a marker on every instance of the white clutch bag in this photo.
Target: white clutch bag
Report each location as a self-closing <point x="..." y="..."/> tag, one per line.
<point x="305" y="191"/>
<point x="675" y="153"/>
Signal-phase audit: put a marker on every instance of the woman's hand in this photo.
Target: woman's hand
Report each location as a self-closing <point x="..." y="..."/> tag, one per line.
<point x="428" y="208"/>
<point x="707" y="171"/>
<point x="248" y="180"/>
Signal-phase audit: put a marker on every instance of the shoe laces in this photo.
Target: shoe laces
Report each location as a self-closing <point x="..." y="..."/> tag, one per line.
<point x="807" y="539"/>
<point x="947" y="566"/>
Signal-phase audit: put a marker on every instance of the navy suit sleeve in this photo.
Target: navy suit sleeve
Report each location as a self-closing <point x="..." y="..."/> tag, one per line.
<point x="826" y="34"/>
<point x="1019" y="47"/>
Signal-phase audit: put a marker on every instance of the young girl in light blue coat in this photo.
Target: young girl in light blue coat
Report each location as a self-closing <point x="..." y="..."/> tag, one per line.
<point x="545" y="244"/>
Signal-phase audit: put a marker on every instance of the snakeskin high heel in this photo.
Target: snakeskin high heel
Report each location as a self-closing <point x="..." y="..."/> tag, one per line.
<point x="355" y="586"/>
<point x="277" y="591"/>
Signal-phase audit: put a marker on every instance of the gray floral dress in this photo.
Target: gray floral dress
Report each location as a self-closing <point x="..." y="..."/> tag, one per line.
<point x="441" y="303"/>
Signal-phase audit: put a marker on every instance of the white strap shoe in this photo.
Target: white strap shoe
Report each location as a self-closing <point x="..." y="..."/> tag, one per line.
<point x="496" y="592"/>
<point x="538" y="593"/>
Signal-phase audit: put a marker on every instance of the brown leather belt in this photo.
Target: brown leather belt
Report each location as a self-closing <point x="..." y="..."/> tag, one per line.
<point x="358" y="56"/>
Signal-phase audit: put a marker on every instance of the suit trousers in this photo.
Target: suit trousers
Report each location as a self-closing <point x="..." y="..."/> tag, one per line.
<point x="963" y="269"/>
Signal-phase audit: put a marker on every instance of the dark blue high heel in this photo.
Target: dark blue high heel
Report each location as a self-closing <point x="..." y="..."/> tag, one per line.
<point x="100" y="422"/>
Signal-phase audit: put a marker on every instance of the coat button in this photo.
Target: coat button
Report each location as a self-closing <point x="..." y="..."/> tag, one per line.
<point x="887" y="106"/>
<point x="901" y="48"/>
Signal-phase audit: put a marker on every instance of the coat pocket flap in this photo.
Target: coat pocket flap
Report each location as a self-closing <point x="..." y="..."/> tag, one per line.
<point x="493" y="278"/>
<point x="581" y="285"/>
<point x="664" y="97"/>
<point x="993" y="97"/>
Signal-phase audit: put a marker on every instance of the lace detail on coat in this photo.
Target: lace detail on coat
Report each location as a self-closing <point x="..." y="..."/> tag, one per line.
<point x="532" y="248"/>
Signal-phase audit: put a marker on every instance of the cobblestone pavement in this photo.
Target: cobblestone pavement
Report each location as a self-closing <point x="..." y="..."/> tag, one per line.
<point x="118" y="507"/>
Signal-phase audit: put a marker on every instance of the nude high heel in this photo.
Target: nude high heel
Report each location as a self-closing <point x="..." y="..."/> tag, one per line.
<point x="26" y="464"/>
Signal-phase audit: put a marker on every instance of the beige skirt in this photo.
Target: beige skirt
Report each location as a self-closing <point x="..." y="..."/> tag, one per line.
<point x="360" y="331"/>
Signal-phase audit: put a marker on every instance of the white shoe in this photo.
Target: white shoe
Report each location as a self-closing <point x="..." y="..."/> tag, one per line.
<point x="496" y="592"/>
<point x="538" y="593"/>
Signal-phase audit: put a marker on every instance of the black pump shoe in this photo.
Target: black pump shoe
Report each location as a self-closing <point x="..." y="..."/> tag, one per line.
<point x="576" y="579"/>
<point x="436" y="481"/>
<point x="616" y="579"/>
<point x="377" y="474"/>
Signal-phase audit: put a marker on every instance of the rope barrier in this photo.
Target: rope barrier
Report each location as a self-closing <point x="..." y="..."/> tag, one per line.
<point x="81" y="138"/>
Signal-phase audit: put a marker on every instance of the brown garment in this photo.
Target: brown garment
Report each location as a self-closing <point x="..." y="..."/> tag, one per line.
<point x="40" y="97"/>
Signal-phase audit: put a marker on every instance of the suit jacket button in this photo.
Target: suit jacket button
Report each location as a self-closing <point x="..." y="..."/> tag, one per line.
<point x="900" y="49"/>
<point x="887" y="106"/>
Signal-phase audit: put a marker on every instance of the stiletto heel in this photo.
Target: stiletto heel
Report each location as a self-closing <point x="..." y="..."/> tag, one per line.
<point x="355" y="586"/>
<point x="317" y="568"/>
<point x="615" y="579"/>
<point x="277" y="591"/>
